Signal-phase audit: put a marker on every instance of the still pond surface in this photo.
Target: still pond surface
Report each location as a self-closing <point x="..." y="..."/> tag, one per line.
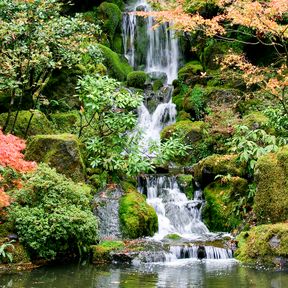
<point x="207" y="273"/>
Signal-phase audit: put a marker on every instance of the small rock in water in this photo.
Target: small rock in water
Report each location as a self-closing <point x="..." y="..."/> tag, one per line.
<point x="201" y="252"/>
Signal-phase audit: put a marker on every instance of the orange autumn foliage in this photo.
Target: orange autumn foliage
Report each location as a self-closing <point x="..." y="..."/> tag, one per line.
<point x="11" y="156"/>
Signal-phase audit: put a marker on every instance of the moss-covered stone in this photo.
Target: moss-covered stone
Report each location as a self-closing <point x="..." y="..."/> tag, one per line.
<point x="265" y="245"/>
<point x="182" y="116"/>
<point x="157" y="84"/>
<point x="6" y="228"/>
<point x="39" y="124"/>
<point x="59" y="151"/>
<point x="255" y="120"/>
<point x="173" y="237"/>
<point x="66" y="122"/>
<point x="136" y="79"/>
<point x="222" y="200"/>
<point x="271" y="197"/>
<point x="186" y="184"/>
<point x="191" y="131"/>
<point x="101" y="252"/>
<point x="207" y="169"/>
<point x="116" y="66"/>
<point x="17" y="251"/>
<point x="111" y="16"/>
<point x="137" y="218"/>
<point x="190" y="69"/>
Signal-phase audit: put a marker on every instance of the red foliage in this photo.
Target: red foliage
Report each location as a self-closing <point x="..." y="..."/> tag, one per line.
<point x="11" y="156"/>
<point x="10" y="153"/>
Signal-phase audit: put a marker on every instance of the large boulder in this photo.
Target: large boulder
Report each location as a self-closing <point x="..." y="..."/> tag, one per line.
<point x="207" y="169"/>
<point x="137" y="218"/>
<point x="223" y="203"/>
<point x="271" y="197"/>
<point x="38" y="125"/>
<point x="264" y="245"/>
<point x="59" y="151"/>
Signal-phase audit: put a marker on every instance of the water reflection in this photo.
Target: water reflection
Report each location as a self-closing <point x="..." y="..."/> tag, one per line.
<point x="180" y="274"/>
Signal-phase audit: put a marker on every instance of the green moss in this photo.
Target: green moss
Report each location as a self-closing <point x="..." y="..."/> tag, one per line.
<point x="59" y="151"/>
<point x="186" y="184"/>
<point x="191" y="131"/>
<point x="207" y="169"/>
<point x="264" y="244"/>
<point x="221" y="210"/>
<point x="271" y="197"/>
<point x="116" y="67"/>
<point x="190" y="69"/>
<point x="66" y="122"/>
<point x="119" y="3"/>
<point x="255" y="120"/>
<point x="136" y="79"/>
<point x="137" y="218"/>
<point x="101" y="252"/>
<point x="20" y="254"/>
<point x="117" y="44"/>
<point x="157" y="84"/>
<point x="206" y="8"/>
<point x="6" y="228"/>
<point x="182" y="116"/>
<point x="111" y="16"/>
<point x="173" y="237"/>
<point x="39" y="123"/>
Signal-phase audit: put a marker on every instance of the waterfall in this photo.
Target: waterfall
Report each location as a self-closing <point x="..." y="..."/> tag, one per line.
<point x="176" y="214"/>
<point x="158" y="52"/>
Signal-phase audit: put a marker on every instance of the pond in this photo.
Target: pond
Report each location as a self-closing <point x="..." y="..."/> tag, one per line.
<point x="181" y="274"/>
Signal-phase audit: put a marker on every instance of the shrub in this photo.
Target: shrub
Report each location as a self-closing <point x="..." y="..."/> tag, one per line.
<point x="52" y="215"/>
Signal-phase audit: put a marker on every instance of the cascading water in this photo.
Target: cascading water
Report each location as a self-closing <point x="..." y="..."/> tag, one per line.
<point x="176" y="214"/>
<point x="156" y="51"/>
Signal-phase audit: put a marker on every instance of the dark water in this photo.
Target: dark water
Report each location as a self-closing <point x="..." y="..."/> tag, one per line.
<point x="212" y="273"/>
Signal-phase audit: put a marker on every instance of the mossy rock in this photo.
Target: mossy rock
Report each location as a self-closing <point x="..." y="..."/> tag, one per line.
<point x="191" y="131"/>
<point x="39" y="124"/>
<point x="137" y="218"/>
<point x="186" y="184"/>
<point x="255" y="120"/>
<point x="18" y="252"/>
<point x="119" y="3"/>
<point x="6" y="228"/>
<point x="264" y="245"/>
<point x="136" y="79"/>
<point x="111" y="16"/>
<point x="157" y="84"/>
<point x="182" y="116"/>
<point x="189" y="70"/>
<point x="117" y="67"/>
<point x="101" y="252"/>
<point x="221" y="200"/>
<point x="59" y="151"/>
<point x="66" y="122"/>
<point x="207" y="169"/>
<point x="271" y="197"/>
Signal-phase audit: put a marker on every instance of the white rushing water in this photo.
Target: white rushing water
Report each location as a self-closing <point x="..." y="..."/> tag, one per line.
<point x="162" y="44"/>
<point x="157" y="52"/>
<point x="176" y="214"/>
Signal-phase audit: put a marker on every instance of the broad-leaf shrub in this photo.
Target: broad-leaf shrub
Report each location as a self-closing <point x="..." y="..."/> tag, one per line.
<point x="52" y="215"/>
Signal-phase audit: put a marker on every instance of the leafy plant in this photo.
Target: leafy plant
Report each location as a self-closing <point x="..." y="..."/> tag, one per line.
<point x="251" y="144"/>
<point x="52" y="215"/>
<point x="4" y="254"/>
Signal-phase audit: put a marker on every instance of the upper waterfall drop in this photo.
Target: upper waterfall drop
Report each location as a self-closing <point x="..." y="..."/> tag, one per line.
<point x="156" y="50"/>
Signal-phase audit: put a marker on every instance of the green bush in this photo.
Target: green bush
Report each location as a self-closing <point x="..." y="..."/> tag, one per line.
<point x="52" y="215"/>
<point x="136" y="79"/>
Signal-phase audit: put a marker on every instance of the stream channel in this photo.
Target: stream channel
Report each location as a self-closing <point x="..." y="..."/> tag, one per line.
<point x="187" y="264"/>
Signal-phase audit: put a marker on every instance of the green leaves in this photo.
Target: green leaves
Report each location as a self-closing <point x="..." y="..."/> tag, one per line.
<point x="251" y="144"/>
<point x="52" y="215"/>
